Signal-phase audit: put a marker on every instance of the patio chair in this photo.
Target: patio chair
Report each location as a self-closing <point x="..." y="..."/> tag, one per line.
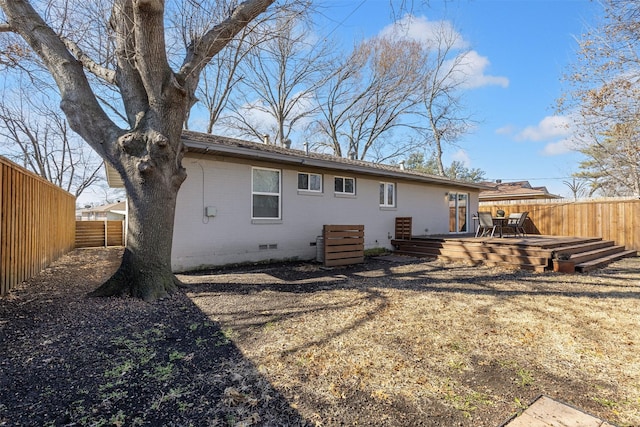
<point x="485" y="225"/>
<point x="515" y="222"/>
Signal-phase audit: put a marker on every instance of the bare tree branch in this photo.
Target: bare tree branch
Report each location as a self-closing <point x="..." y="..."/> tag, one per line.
<point x="200" y="51"/>
<point x="99" y="71"/>
<point x="39" y="138"/>
<point x="78" y="100"/>
<point x="280" y="77"/>
<point x="369" y="95"/>
<point x="132" y="88"/>
<point x="150" y="51"/>
<point x="603" y="101"/>
<point x="443" y="109"/>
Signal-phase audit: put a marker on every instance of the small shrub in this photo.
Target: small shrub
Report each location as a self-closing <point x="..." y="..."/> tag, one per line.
<point x="376" y="252"/>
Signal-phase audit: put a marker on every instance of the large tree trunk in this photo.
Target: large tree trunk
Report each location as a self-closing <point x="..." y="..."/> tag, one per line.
<point x="150" y="164"/>
<point x="145" y="271"/>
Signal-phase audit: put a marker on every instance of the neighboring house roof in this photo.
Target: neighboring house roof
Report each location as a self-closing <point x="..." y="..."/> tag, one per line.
<point x="119" y="208"/>
<point x="514" y="191"/>
<point x="219" y="145"/>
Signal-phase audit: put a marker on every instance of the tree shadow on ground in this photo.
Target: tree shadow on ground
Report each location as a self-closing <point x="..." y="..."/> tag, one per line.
<point x="305" y="277"/>
<point x="290" y="293"/>
<point x="72" y="360"/>
<point x="67" y="359"/>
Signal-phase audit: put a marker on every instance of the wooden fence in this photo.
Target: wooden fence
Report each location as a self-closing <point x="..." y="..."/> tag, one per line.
<point x="91" y="234"/>
<point x="37" y="224"/>
<point x="611" y="219"/>
<point x="343" y="244"/>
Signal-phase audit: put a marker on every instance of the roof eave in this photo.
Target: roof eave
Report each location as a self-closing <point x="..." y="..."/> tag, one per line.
<point x="113" y="178"/>
<point x="294" y="159"/>
<point x="518" y="197"/>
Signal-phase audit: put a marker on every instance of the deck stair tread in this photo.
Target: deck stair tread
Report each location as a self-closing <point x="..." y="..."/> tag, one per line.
<point x="568" y="241"/>
<point x="532" y="252"/>
<point x="506" y="249"/>
<point x="581" y="257"/>
<point x="525" y="266"/>
<point x="463" y="250"/>
<point x="584" y="247"/>
<point x="601" y="262"/>
<point x="477" y="256"/>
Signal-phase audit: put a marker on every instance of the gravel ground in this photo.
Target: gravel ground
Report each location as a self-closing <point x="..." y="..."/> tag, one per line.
<point x="383" y="343"/>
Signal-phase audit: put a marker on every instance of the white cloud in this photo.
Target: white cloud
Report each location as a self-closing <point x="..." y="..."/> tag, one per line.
<point x="506" y="130"/>
<point x="560" y="147"/>
<point x="549" y="128"/>
<point x="420" y="29"/>
<point x="471" y="66"/>
<point x="256" y="114"/>
<point x="462" y="157"/>
<point x="557" y="131"/>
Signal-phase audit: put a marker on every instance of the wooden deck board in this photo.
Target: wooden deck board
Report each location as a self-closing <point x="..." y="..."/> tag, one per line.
<point x="531" y="252"/>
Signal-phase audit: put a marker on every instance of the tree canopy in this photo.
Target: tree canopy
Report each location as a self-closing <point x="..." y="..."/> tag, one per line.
<point x="604" y="101"/>
<point x="456" y="170"/>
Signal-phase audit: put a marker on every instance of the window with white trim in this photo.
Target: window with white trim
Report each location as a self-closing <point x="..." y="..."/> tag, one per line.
<point x="265" y="193"/>
<point x="344" y="185"/>
<point x="387" y="194"/>
<point x="310" y="182"/>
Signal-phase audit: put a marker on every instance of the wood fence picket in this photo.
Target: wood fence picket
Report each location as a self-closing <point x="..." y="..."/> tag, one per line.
<point x="37" y="224"/>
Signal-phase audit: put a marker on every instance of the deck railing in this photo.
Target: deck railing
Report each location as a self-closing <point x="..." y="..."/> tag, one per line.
<point x="37" y="224"/>
<point x="611" y="219"/>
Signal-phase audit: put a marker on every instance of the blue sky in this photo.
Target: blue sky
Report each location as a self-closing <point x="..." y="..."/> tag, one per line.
<point x="522" y="48"/>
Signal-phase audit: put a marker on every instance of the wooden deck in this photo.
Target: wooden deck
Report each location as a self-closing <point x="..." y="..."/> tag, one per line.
<point x="532" y="252"/>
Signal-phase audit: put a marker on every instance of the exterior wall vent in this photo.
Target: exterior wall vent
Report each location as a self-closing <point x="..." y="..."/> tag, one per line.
<point x="267" y="246"/>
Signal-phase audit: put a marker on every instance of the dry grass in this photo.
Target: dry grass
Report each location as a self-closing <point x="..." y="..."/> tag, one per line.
<point x="434" y="344"/>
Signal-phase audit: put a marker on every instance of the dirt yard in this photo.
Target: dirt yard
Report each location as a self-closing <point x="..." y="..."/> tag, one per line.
<point x="384" y="343"/>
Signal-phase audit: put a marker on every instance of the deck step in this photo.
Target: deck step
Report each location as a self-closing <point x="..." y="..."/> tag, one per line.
<point x="581" y="257"/>
<point x="604" y="261"/>
<point x="531" y="253"/>
<point x="584" y="247"/>
<point x="538" y="268"/>
<point x="477" y="251"/>
<point x="483" y="247"/>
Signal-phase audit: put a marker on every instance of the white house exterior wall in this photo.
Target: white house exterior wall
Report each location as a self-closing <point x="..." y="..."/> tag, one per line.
<point x="231" y="236"/>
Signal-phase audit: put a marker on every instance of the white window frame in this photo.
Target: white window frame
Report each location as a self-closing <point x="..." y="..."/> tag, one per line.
<point x="309" y="174"/>
<point x="344" y="178"/>
<point x="385" y="203"/>
<point x="263" y="193"/>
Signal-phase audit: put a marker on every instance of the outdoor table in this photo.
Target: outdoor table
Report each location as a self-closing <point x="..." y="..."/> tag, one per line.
<point x="500" y="221"/>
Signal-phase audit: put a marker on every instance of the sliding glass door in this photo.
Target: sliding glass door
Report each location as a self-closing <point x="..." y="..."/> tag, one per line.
<point x="458" y="212"/>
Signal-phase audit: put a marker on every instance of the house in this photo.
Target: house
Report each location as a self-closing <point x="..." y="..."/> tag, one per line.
<point x="520" y="190"/>
<point x="248" y="202"/>
<point x="109" y="212"/>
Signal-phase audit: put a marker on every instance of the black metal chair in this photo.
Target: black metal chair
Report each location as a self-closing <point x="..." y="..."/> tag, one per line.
<point x="515" y="222"/>
<point x="485" y="223"/>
